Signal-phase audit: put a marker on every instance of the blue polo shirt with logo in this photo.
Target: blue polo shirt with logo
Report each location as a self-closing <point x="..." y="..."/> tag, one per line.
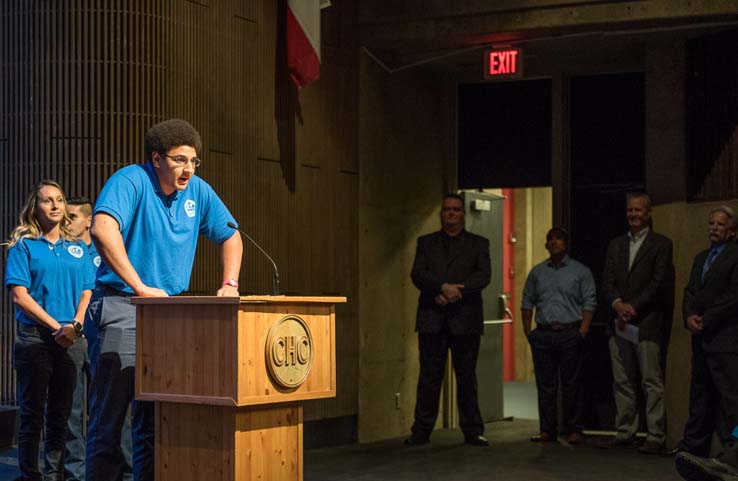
<point x="160" y="231"/>
<point x="55" y="275"/>
<point x="94" y="258"/>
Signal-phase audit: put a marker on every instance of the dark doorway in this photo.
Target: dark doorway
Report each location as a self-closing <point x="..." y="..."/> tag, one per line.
<point x="607" y="161"/>
<point x="505" y="134"/>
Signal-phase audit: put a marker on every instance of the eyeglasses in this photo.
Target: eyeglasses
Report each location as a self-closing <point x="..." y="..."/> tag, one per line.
<point x="182" y="160"/>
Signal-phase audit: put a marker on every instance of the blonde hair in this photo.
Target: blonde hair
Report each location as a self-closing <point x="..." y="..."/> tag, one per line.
<point x="28" y="224"/>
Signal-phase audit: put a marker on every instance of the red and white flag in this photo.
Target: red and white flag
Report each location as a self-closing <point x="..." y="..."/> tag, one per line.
<point x="303" y="39"/>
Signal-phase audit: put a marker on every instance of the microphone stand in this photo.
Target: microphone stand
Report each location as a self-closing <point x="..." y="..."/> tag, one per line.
<point x="275" y="282"/>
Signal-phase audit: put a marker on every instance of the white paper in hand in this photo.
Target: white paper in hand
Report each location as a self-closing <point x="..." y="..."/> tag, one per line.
<point x="630" y="333"/>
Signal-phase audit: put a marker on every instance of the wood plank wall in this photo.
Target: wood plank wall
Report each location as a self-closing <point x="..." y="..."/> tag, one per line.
<point x="82" y="80"/>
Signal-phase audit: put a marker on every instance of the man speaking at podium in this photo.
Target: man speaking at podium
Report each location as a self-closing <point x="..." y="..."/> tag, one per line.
<point x="146" y="223"/>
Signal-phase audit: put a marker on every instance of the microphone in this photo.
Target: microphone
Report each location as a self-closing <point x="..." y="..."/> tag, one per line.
<point x="275" y="285"/>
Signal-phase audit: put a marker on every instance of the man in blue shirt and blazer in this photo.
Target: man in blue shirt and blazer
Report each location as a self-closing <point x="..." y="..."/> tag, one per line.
<point x="710" y="313"/>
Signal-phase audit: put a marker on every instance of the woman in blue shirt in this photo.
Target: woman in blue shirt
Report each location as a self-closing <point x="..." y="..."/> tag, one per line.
<point x="51" y="285"/>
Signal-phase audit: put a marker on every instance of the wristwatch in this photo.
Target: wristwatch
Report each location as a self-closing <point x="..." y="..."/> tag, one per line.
<point x="78" y="328"/>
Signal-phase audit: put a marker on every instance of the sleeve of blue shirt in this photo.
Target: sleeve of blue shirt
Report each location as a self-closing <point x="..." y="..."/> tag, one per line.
<point x="588" y="291"/>
<point x="215" y="218"/>
<point x="117" y="198"/>
<point x="89" y="276"/>
<point x="18" y="269"/>
<point x="529" y="292"/>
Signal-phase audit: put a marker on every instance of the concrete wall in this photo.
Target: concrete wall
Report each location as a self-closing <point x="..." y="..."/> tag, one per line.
<point x="404" y="146"/>
<point x="403" y="130"/>
<point x="666" y="163"/>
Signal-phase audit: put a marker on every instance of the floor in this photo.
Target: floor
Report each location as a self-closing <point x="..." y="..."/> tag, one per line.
<point x="509" y="457"/>
<point x="520" y="400"/>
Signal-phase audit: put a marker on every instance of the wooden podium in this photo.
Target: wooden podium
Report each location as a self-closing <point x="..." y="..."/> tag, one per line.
<point x="228" y="376"/>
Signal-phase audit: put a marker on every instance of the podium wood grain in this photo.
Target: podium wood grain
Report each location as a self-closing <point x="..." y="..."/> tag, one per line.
<point x="204" y="442"/>
<point x="219" y="414"/>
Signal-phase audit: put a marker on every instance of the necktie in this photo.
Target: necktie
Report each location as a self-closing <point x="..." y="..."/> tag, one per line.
<point x="709" y="261"/>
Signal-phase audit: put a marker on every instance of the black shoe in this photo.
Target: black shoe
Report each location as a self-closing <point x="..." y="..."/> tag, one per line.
<point x="575" y="438"/>
<point x="694" y="468"/>
<point x="477" y="440"/>
<point x="417" y="440"/>
<point x="542" y="438"/>
<point x="676" y="450"/>
<point x="652" y="447"/>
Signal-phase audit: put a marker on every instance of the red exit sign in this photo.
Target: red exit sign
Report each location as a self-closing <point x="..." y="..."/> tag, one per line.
<point x="503" y="63"/>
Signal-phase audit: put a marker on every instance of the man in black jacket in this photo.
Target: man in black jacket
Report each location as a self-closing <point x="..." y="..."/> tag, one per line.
<point x="710" y="312"/>
<point x="638" y="283"/>
<point x="451" y="268"/>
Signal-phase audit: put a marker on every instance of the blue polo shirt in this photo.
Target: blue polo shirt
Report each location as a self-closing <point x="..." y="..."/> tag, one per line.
<point x="94" y="259"/>
<point x="560" y="293"/>
<point x="160" y="231"/>
<point x="93" y="262"/>
<point x="55" y="275"/>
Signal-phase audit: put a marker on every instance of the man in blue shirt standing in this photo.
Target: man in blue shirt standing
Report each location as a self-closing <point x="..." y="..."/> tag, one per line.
<point x="79" y="211"/>
<point x="562" y="292"/>
<point x="146" y="224"/>
<point x="80" y="221"/>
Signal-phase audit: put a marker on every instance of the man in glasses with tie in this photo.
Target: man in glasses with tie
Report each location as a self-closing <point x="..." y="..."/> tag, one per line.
<point x="710" y="312"/>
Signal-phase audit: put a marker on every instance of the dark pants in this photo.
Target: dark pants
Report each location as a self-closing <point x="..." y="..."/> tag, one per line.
<point x="74" y="460"/>
<point x="433" y="353"/>
<point x="93" y="350"/>
<point x="111" y="392"/>
<point x="46" y="378"/>
<point x="713" y="399"/>
<point x="557" y="355"/>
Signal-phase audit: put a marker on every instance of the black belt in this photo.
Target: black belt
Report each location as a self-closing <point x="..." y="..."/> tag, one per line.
<point x="109" y="291"/>
<point x="558" y="326"/>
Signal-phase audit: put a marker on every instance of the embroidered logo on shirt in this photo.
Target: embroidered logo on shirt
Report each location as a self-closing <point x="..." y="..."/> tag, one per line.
<point x="75" y="251"/>
<point x="189" y="207"/>
<point x="97" y="261"/>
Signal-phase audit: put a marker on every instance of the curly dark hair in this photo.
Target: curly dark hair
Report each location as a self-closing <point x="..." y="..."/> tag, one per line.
<point x="169" y="134"/>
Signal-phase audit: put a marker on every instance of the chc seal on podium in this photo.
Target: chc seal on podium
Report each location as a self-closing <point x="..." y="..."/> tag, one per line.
<point x="289" y="351"/>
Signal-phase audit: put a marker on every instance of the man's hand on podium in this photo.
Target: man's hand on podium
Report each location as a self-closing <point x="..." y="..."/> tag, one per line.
<point x="147" y="291"/>
<point x="228" y="291"/>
